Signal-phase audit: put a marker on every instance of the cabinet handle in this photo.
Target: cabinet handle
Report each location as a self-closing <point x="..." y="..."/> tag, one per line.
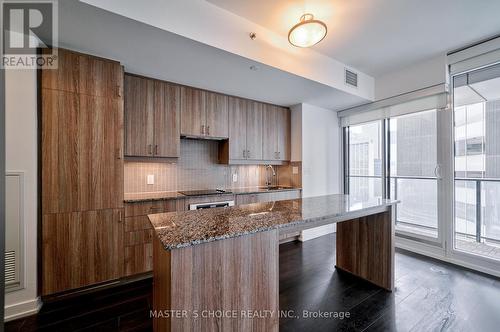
<point x="150" y="149"/>
<point x="208" y="130"/>
<point x="244" y="154"/>
<point x="120" y="216"/>
<point x="203" y="129"/>
<point x="119" y="153"/>
<point x="118" y="91"/>
<point x="156" y="149"/>
<point x="248" y="154"/>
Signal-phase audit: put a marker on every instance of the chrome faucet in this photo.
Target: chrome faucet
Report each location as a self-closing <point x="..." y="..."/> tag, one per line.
<point x="269" y="180"/>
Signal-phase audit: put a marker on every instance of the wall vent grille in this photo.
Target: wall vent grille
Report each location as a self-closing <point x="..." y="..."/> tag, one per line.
<point x="10" y="268"/>
<point x="351" y="78"/>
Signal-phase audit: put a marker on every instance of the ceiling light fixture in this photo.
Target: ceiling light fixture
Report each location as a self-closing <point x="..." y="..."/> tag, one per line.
<point x="307" y="32"/>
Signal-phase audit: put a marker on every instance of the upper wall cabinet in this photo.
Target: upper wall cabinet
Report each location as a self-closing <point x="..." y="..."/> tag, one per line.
<point x="151" y="118"/>
<point x="276" y="137"/>
<point x="203" y="114"/>
<point x="245" y="132"/>
<point x="258" y="133"/>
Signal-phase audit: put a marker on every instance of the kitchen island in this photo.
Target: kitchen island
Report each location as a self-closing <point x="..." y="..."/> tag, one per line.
<point x="217" y="269"/>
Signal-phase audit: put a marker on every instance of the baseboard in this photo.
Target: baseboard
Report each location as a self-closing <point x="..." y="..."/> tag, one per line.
<point x="22" y="309"/>
<point x="313" y="233"/>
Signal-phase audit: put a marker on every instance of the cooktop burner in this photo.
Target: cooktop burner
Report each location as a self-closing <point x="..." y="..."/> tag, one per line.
<point x="204" y="192"/>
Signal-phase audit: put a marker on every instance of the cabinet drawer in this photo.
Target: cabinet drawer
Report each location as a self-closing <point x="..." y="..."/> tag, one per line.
<point x="150" y="207"/>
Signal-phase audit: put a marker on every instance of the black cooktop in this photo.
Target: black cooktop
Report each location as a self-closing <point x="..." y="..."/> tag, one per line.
<point x="204" y="192"/>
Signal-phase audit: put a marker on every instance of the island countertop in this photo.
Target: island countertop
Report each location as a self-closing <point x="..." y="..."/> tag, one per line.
<point x="186" y="228"/>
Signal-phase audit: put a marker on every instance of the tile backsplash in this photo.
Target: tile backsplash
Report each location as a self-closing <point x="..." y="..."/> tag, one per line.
<point x="197" y="168"/>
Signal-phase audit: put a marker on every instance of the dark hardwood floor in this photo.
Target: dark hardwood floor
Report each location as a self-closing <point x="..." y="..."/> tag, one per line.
<point x="430" y="296"/>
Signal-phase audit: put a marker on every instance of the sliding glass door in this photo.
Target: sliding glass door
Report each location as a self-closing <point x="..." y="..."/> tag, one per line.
<point x="413" y="173"/>
<point x="476" y="99"/>
<point x="365" y="160"/>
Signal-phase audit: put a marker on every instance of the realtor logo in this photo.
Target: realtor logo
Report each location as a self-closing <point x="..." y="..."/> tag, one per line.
<point x="29" y="34"/>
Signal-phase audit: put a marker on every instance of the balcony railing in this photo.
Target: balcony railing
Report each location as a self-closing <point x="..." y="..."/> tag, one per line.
<point x="479" y="209"/>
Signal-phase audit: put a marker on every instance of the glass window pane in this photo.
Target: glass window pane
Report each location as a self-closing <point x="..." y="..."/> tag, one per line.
<point x="365" y="149"/>
<point x="477" y="163"/>
<point x="418" y="202"/>
<point x="413" y="158"/>
<point x="361" y="188"/>
<point x="491" y="210"/>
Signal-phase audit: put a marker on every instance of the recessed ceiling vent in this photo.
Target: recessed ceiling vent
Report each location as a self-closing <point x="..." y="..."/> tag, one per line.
<point x="351" y="78"/>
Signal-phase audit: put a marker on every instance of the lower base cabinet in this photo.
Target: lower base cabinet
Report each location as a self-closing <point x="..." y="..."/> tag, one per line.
<point x="267" y="197"/>
<point x="81" y="249"/>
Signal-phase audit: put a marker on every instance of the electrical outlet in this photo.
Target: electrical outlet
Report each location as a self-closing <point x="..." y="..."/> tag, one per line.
<point x="235" y="177"/>
<point x="295" y="170"/>
<point x="151" y="179"/>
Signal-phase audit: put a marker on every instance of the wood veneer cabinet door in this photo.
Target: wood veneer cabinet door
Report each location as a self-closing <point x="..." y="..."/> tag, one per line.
<point x="60" y="147"/>
<point x="82" y="157"/>
<point x="139" y="117"/>
<point x="254" y="130"/>
<point x="192" y="111"/>
<point x="100" y="77"/>
<point x="81" y="249"/>
<point x="283" y="137"/>
<point x="166" y="120"/>
<point x="99" y="153"/>
<point x="82" y="135"/>
<point x="66" y="77"/>
<point x="237" y="128"/>
<point x="216" y="115"/>
<point x="269" y="132"/>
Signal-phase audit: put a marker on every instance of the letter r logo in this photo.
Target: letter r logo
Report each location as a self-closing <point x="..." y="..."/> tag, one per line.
<point x="27" y="26"/>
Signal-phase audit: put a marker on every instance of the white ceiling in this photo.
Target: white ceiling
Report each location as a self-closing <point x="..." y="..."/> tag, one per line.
<point x="380" y="36"/>
<point x="157" y="53"/>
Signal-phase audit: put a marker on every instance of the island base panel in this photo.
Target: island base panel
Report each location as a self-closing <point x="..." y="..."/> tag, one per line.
<point x="237" y="276"/>
<point x="365" y="248"/>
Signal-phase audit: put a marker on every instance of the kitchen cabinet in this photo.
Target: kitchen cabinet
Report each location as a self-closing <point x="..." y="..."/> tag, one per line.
<point x="254" y="130"/>
<point x="276" y="128"/>
<point x="81" y="116"/>
<point x="81" y="249"/>
<point x="245" y="132"/>
<point x="139" y="119"/>
<point x="283" y="133"/>
<point x="166" y="120"/>
<point x="267" y="196"/>
<point x="81" y="148"/>
<point x="152" y="111"/>
<point x="138" y="233"/>
<point x="204" y="114"/>
<point x="217" y="121"/>
<point x="258" y="133"/>
<point x="192" y="112"/>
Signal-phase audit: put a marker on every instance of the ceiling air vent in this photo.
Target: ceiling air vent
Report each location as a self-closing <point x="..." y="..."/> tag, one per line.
<point x="351" y="78"/>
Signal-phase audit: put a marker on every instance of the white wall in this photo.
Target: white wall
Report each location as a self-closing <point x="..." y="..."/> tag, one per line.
<point x="418" y="76"/>
<point x="321" y="162"/>
<point x="320" y="137"/>
<point x="21" y="155"/>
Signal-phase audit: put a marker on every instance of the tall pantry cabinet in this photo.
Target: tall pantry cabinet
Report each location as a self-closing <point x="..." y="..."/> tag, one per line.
<point x="81" y="119"/>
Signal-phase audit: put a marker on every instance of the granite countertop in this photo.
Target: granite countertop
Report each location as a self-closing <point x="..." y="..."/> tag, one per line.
<point x="165" y="195"/>
<point x="182" y="229"/>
